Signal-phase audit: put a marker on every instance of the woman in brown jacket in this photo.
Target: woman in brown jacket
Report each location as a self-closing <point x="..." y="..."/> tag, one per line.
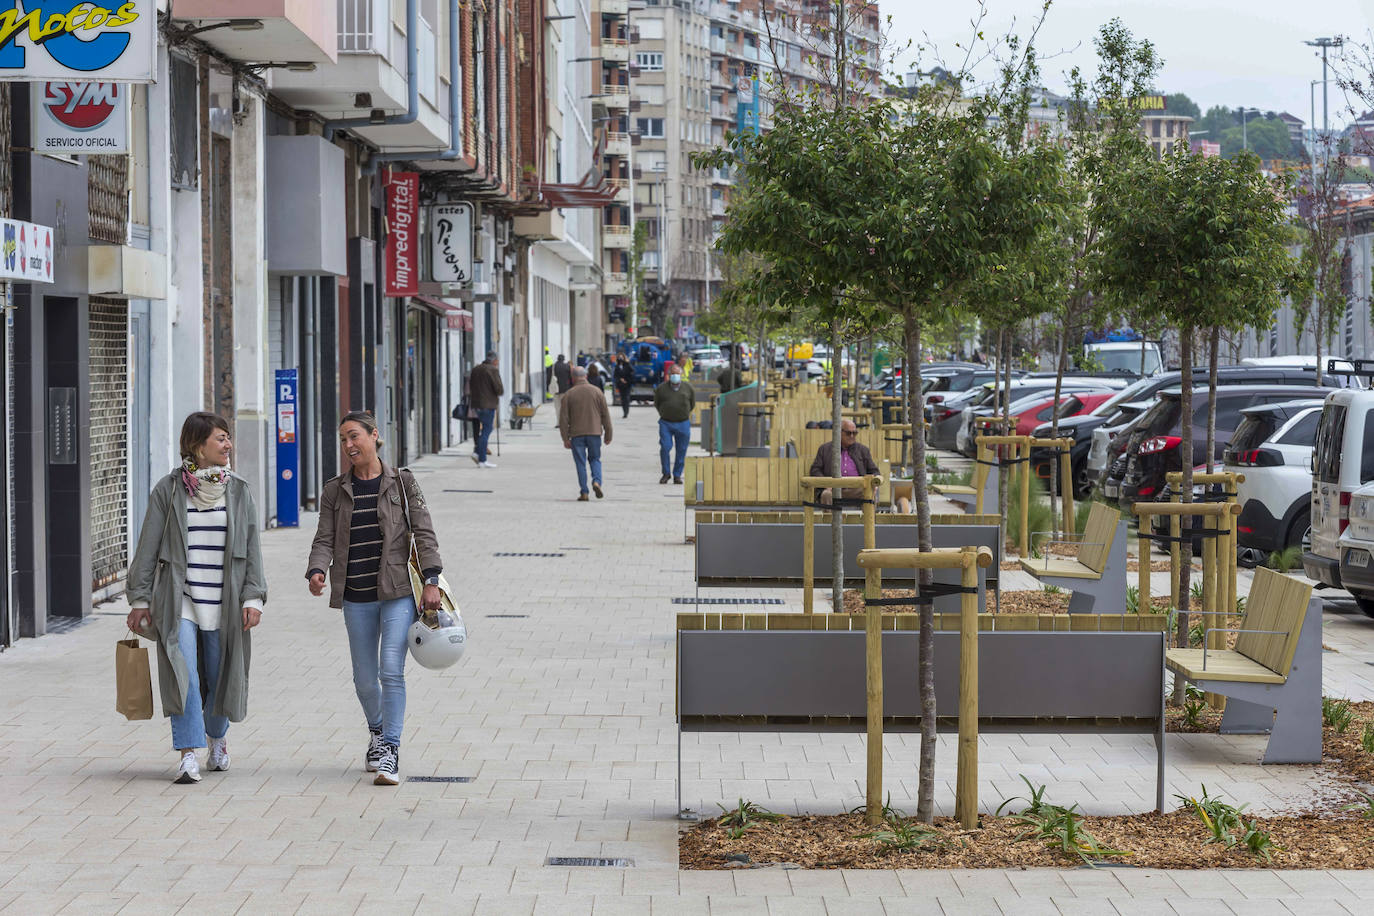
<point x="363" y="541"/>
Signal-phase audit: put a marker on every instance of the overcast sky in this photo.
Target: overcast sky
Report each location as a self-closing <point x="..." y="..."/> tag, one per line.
<point x="1218" y="52"/>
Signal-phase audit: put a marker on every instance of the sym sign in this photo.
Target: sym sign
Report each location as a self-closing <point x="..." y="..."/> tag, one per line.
<point x="450" y="242"/>
<point x="80" y="118"/>
<point x="401" y="256"/>
<point x="75" y="40"/>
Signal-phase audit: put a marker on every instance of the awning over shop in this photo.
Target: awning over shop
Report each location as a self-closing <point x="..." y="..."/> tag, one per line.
<point x="459" y="318"/>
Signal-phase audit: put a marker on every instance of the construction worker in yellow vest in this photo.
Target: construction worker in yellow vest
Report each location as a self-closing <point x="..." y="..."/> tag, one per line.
<point x="548" y="374"/>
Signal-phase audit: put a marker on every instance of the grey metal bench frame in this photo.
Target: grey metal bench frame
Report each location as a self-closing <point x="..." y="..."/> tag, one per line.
<point x="769" y="555"/>
<point x="1105" y="594"/>
<point x="1028" y="681"/>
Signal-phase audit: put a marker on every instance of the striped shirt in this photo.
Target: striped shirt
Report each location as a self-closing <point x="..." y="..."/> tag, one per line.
<point x="206" y="533"/>
<point x="364" y="543"/>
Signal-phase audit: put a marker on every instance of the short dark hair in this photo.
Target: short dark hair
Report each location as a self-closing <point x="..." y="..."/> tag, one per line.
<point x="198" y="427"/>
<point x="491" y="355"/>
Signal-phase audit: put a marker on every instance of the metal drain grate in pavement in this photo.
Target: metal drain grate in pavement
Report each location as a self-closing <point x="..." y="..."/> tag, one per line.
<point x="595" y="861"/>
<point x="506" y="616"/>
<point x="439" y="778"/>
<point x="467" y="491"/>
<point x="728" y="601"/>
<point x="528" y="554"/>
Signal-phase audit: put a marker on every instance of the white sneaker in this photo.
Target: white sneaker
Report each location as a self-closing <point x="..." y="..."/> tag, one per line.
<point x="486" y="464"/>
<point x="475" y="461"/>
<point x="189" y="770"/>
<point x="218" y="761"/>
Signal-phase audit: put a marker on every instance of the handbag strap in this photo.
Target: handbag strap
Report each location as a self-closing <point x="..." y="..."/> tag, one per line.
<point x="405" y="508"/>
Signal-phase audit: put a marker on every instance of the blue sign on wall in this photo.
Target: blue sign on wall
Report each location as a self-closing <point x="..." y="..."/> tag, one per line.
<point x="288" y="452"/>
<point x="747" y="104"/>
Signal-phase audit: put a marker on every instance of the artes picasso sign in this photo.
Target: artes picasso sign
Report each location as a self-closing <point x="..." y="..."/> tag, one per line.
<point x="107" y="40"/>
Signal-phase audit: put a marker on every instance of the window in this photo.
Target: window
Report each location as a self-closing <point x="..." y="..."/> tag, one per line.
<point x="649" y="93"/>
<point x="1303" y="432"/>
<point x="650" y="127"/>
<point x="649" y="60"/>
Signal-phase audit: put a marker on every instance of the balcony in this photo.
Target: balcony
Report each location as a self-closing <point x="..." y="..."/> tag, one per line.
<point x="722" y="177"/>
<point x="717" y="206"/>
<point x="542" y="227"/>
<point x="615" y="96"/>
<point x="722" y="112"/>
<point x="616" y="236"/>
<point x="616" y="50"/>
<point x="622" y="189"/>
<point x="291" y="29"/>
<point x="615" y="7"/>
<point x="617" y="143"/>
<point x="613" y="284"/>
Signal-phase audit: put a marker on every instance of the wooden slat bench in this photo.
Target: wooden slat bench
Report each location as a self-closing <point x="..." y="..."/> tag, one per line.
<point x="731" y="481"/>
<point x="1096" y="573"/>
<point x="1273" y="677"/>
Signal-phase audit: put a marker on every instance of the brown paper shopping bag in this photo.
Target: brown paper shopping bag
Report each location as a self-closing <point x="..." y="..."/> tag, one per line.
<point x="133" y="681"/>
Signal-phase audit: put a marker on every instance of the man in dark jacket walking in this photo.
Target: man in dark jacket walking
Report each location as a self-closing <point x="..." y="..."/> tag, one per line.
<point x="855" y="461"/>
<point x="484" y="394"/>
<point x="674" y="400"/>
<point x="624" y="381"/>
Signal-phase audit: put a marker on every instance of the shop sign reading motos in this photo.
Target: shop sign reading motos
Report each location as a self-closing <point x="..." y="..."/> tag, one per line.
<point x="80" y="118"/>
<point x="105" y="40"/>
<point x="401" y="254"/>
<point x="26" y="253"/>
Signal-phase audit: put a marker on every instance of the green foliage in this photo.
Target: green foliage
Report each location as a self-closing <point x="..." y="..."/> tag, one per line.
<point x="1180" y="104"/>
<point x="1193" y="707"/>
<point x="1286" y="560"/>
<point x="1132" y="599"/>
<point x="1365" y="806"/>
<point x="1080" y="514"/>
<point x="953" y="478"/>
<point x="1197" y="632"/>
<point x="890" y="814"/>
<point x="1062" y="828"/>
<point x="745" y="817"/>
<point x="1039" y="514"/>
<point x="1367" y="738"/>
<point x="906" y="836"/>
<point x="1035" y="804"/>
<point x="1222" y="819"/>
<point x="1259" y="843"/>
<point x="1051" y="589"/>
<point x="1265" y="137"/>
<point x="1337" y="714"/>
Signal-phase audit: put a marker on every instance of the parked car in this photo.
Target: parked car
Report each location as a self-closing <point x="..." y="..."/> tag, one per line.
<point x="1070" y="404"/>
<point x="1356" y="545"/>
<point x="1272" y="447"/>
<point x="1021" y="388"/>
<point x="1034" y="402"/>
<point x="707" y="360"/>
<point x="1154" y="447"/>
<point x="1342" y="462"/>
<point x="946" y="416"/>
<point x="1337" y="379"/>
<point x="1139" y="358"/>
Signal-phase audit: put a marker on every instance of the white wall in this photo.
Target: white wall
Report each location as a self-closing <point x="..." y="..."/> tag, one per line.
<point x="253" y="394"/>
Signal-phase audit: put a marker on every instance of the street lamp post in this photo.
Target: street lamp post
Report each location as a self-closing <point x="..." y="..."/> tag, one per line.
<point x="1244" y="137"/>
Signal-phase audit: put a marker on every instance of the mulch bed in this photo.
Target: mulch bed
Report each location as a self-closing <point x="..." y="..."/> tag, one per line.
<point x="1032" y="601"/>
<point x="1329" y="836"/>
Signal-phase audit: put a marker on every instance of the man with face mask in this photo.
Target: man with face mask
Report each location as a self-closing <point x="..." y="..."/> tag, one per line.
<point x="674" y="400"/>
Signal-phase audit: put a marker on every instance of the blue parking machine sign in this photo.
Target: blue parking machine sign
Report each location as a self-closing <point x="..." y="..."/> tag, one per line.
<point x="288" y="452"/>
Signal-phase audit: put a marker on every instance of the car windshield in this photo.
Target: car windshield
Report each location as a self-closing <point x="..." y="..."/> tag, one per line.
<point x="1124" y="360"/>
<point x="1069" y="407"/>
<point x="1129" y="393"/>
<point x="1160" y="418"/>
<point x="1253" y="431"/>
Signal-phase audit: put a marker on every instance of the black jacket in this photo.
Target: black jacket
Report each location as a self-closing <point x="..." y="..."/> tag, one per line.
<point x="563" y="373"/>
<point x="624" y="375"/>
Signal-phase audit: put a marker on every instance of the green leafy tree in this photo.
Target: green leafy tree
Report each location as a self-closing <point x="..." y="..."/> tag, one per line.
<point x="1320" y="298"/>
<point x="1267" y="138"/>
<point x="1180" y="104"/>
<point x="1201" y="243"/>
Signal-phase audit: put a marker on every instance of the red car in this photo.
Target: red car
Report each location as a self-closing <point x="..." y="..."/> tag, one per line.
<point x="1071" y="405"/>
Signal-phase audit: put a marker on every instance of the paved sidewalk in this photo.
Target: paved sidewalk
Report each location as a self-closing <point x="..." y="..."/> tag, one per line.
<point x="561" y="718"/>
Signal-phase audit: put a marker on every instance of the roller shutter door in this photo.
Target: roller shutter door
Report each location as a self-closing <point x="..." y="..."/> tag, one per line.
<point x="109" y="330"/>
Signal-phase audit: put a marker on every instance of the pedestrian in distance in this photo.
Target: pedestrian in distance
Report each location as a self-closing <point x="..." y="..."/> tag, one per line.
<point x="484" y="393"/>
<point x="674" y="400"/>
<point x="585" y="423"/>
<point x="594" y="377"/>
<point x="624" y="380"/>
<point x="548" y="374"/>
<point x="562" y="378"/>
<point x="196" y="586"/>
<point x="363" y="543"/>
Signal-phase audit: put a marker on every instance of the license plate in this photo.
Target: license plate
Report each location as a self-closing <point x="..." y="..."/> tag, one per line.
<point x="1111" y="490"/>
<point x="1357" y="557"/>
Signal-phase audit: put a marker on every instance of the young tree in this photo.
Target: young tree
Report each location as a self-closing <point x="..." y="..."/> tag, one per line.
<point x="1200" y="242"/>
<point x="1321" y="299"/>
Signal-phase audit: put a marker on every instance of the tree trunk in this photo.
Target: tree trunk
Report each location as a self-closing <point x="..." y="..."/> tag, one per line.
<point x="1186" y="489"/>
<point x="1000" y="403"/>
<point x="1060" y="365"/>
<point x="1212" y="400"/>
<point x="837" y="513"/>
<point x="925" y="804"/>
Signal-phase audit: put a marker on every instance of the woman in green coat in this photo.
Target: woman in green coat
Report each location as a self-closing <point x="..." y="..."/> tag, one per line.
<point x="197" y="587"/>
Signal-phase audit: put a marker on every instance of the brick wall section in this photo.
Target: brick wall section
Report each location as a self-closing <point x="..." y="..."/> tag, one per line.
<point x="531" y="99"/>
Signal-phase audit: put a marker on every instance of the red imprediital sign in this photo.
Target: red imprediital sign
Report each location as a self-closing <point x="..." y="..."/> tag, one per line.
<point x="402" y="251"/>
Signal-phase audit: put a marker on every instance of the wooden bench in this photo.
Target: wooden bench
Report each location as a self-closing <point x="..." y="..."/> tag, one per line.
<point x="732" y="481"/>
<point x="985" y="481"/>
<point x="794" y="672"/>
<point x="1096" y="573"/>
<point x="1272" y="679"/>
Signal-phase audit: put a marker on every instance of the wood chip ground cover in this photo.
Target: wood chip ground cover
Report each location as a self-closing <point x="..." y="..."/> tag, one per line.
<point x="1329" y="836"/>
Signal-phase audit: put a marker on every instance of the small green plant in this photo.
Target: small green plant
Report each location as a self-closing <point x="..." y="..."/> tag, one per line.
<point x="1132" y="599"/>
<point x="890" y="814"/>
<point x="1080" y="514"/>
<point x="1365" y="806"/>
<point x="1287" y="559"/>
<point x="1240" y="606"/>
<point x="905" y="836"/>
<point x="1035" y="804"/>
<point x="1222" y="819"/>
<point x="1196" y="592"/>
<point x="1062" y="828"/>
<point x="952" y="479"/>
<point x="932" y="461"/>
<point x="1259" y="843"/>
<point x="1197" y="632"/>
<point x="1337" y="714"/>
<point x="746" y="816"/>
<point x="1051" y="589"/>
<point x="1193" y="706"/>
<point x="1367" y="738"/>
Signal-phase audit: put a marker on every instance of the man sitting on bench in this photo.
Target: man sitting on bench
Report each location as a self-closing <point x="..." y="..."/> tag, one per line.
<point x="855" y="461"/>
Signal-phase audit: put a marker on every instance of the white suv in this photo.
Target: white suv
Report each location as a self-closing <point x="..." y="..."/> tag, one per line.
<point x="1272" y="447"/>
<point x="1342" y="462"/>
<point x="1356" y="546"/>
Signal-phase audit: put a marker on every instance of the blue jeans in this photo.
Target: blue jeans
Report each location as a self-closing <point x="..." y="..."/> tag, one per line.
<point x="377" y="641"/>
<point x="190" y="726"/>
<point x="488" y="419"/>
<point x="587" y="449"/>
<point x="672" y="434"/>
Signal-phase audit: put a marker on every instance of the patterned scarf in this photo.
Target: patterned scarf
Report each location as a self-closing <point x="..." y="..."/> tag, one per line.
<point x="204" y="486"/>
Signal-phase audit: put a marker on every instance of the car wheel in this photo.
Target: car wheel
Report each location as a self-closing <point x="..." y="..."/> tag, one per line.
<point x="1082" y="482"/>
<point x="1300" y="532"/>
<point x="1365" y="603"/>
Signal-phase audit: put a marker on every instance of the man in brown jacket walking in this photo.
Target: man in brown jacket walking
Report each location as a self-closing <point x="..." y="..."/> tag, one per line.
<point x="484" y="394"/>
<point x="585" y="421"/>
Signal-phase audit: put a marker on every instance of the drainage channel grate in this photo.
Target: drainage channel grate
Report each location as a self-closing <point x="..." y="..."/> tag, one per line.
<point x="528" y="554"/>
<point x="467" y="491"/>
<point x="594" y="861"/>
<point x="728" y="601"/>
<point x="440" y="778"/>
<point x="506" y="616"/>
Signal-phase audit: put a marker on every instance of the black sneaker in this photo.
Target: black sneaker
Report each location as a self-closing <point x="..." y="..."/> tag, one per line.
<point x="663" y="479"/>
<point x="388" y="766"/>
<point x="375" y="745"/>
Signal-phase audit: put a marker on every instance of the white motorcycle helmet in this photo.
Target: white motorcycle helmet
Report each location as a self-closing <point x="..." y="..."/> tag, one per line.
<point x="437" y="639"/>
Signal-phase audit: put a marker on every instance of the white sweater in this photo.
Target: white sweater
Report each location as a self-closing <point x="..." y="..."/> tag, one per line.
<point x="202" y="598"/>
